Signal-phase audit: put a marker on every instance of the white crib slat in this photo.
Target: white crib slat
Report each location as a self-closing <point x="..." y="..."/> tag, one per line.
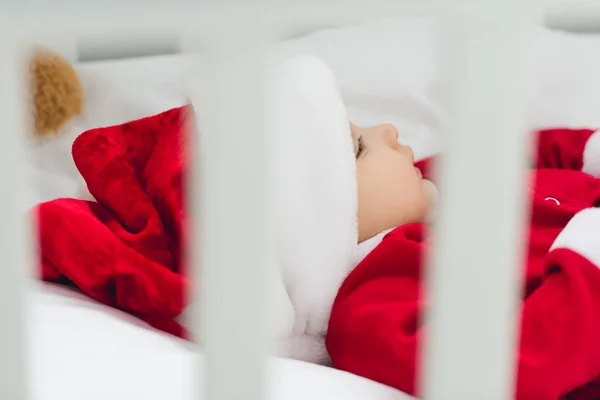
<point x="13" y="247"/>
<point x="469" y="353"/>
<point x="233" y="221"/>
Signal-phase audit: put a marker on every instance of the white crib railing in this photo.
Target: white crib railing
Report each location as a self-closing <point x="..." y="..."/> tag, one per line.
<point x="13" y="240"/>
<point x="468" y="354"/>
<point x="473" y="277"/>
<point x="233" y="218"/>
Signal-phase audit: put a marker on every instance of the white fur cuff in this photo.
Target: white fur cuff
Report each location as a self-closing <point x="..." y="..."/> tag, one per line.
<point x="582" y="235"/>
<point x="591" y="155"/>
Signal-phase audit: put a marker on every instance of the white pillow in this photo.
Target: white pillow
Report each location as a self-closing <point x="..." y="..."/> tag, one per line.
<point x="389" y="72"/>
<point x="565" y="69"/>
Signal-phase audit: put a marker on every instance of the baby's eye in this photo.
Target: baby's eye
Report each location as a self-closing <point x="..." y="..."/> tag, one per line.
<point x="361" y="146"/>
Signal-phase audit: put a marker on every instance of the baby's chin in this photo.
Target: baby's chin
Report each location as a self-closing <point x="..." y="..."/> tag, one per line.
<point x="431" y="194"/>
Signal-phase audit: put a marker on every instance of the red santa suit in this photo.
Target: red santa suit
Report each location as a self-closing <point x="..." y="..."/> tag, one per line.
<point x="375" y="328"/>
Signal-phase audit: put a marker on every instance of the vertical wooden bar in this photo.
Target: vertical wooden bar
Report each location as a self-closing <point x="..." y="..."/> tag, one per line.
<point x="13" y="246"/>
<point x="231" y="219"/>
<point x="473" y="281"/>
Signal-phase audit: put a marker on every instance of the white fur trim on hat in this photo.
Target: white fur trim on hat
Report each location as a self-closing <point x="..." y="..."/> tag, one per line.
<point x="582" y="235"/>
<point x="316" y="202"/>
<point x="591" y="155"/>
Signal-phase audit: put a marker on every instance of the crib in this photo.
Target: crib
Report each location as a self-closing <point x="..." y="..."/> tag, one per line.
<point x="486" y="71"/>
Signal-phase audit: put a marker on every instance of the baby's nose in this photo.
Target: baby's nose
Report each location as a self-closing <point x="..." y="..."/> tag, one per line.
<point x="390" y="132"/>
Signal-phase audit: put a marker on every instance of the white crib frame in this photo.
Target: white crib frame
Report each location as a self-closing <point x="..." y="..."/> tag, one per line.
<point x="468" y="354"/>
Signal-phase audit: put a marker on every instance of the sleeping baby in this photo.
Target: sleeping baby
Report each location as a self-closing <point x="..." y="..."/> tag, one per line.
<point x="339" y="186"/>
<point x="360" y="207"/>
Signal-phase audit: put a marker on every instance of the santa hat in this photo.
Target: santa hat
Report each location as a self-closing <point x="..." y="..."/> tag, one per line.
<point x="316" y="203"/>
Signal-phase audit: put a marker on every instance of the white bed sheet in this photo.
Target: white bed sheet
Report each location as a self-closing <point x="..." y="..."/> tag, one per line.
<point x="84" y="350"/>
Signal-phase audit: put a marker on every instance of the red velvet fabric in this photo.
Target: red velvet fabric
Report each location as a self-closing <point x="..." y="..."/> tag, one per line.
<point x="125" y="250"/>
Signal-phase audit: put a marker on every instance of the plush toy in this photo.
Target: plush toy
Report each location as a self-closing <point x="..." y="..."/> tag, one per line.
<point x="56" y="92"/>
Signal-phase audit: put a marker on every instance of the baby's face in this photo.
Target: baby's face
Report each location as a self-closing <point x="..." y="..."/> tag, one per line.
<point x="391" y="191"/>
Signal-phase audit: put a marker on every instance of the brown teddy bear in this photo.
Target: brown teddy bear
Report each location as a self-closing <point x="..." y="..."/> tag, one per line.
<point x="56" y="92"/>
